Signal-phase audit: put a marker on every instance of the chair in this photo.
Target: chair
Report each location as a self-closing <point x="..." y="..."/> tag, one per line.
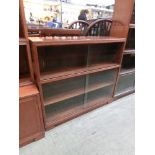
<point x="101" y="27"/>
<point x="79" y="24"/>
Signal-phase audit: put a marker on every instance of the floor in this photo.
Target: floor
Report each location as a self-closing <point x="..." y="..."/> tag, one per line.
<point x="108" y="130"/>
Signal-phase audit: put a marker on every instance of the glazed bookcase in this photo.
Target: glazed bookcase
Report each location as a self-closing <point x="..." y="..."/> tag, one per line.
<point x="75" y="74"/>
<point x="126" y="78"/>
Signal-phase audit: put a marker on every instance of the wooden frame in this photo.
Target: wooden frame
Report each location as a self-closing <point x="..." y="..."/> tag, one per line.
<point x="63" y="44"/>
<point x="23" y="41"/>
<point x="31" y="127"/>
<point x="87" y="61"/>
<point x="129" y="49"/>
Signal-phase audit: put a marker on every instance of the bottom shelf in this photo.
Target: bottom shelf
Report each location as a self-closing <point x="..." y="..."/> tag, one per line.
<point x="126" y="83"/>
<point x="64" y="110"/>
<point x="52" y="121"/>
<point x="125" y="93"/>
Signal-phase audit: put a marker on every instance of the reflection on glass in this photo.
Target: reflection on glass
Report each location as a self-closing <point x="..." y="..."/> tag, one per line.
<point x="61" y="13"/>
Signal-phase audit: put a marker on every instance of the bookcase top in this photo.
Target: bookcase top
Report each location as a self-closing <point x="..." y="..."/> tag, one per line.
<point x="73" y="40"/>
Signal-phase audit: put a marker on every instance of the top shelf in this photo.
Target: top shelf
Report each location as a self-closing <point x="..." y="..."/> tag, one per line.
<point x="47" y="41"/>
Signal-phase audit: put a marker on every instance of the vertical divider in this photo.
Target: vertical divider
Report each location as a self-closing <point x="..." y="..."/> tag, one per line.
<point x="87" y="76"/>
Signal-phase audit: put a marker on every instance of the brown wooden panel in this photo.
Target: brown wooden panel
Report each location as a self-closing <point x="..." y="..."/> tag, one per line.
<point x="30" y="122"/>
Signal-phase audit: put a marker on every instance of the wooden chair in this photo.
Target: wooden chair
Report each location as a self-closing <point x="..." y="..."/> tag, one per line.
<point x="102" y="27"/>
<point x="53" y="32"/>
<point x="79" y="24"/>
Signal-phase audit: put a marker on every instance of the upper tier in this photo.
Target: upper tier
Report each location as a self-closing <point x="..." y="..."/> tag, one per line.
<point x="47" y="41"/>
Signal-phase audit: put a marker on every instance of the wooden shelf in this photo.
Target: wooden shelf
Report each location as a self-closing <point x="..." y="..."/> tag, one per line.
<point x="124" y="93"/>
<point x="22" y="41"/>
<point x="76" y="40"/>
<point x="25" y="81"/>
<point x="52" y="121"/>
<point x="26" y="91"/>
<point x="129" y="51"/>
<point x="74" y="72"/>
<point x="127" y="71"/>
<point x="68" y="95"/>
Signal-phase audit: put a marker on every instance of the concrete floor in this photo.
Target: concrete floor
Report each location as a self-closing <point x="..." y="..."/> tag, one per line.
<point x="108" y="130"/>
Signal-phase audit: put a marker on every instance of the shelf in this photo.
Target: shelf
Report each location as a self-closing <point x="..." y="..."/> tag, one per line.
<point x="74" y="72"/>
<point x="26" y="91"/>
<point x="52" y="121"/>
<point x="126" y="92"/>
<point x="68" y="95"/>
<point x="132" y="26"/>
<point x="22" y="41"/>
<point x="127" y="71"/>
<point x="129" y="51"/>
<point x="76" y="40"/>
<point x="25" y="81"/>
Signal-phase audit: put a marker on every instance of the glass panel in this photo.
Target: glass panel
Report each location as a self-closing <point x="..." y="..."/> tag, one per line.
<point x="65" y="106"/>
<point x="64" y="89"/>
<point x="99" y="95"/>
<point x="126" y="83"/>
<point x="101" y="78"/>
<point x="105" y="53"/>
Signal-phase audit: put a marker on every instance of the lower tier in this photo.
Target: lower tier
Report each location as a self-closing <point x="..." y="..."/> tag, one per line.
<point x="52" y="122"/>
<point x="31" y="126"/>
<point x="125" y="85"/>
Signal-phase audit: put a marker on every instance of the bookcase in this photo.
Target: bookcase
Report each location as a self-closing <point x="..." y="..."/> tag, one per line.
<point x="75" y="74"/>
<point x="30" y="112"/>
<point x="126" y="79"/>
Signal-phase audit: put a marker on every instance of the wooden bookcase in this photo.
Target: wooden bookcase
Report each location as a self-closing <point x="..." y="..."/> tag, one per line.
<point x="30" y="112"/>
<point x="126" y="79"/>
<point x="75" y="74"/>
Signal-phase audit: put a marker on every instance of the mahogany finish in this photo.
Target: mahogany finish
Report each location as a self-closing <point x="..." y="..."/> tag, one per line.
<point x="30" y="119"/>
<point x="75" y="74"/>
<point x="31" y="125"/>
<point x="53" y="32"/>
<point x="70" y="73"/>
<point x="126" y="77"/>
<point x="25" y="62"/>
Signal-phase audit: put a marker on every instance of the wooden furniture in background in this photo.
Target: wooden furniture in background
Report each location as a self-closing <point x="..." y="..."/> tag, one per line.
<point x="53" y="32"/>
<point x="79" y="24"/>
<point x="126" y="77"/>
<point x="75" y="74"/>
<point x="30" y="115"/>
<point x="102" y="27"/>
